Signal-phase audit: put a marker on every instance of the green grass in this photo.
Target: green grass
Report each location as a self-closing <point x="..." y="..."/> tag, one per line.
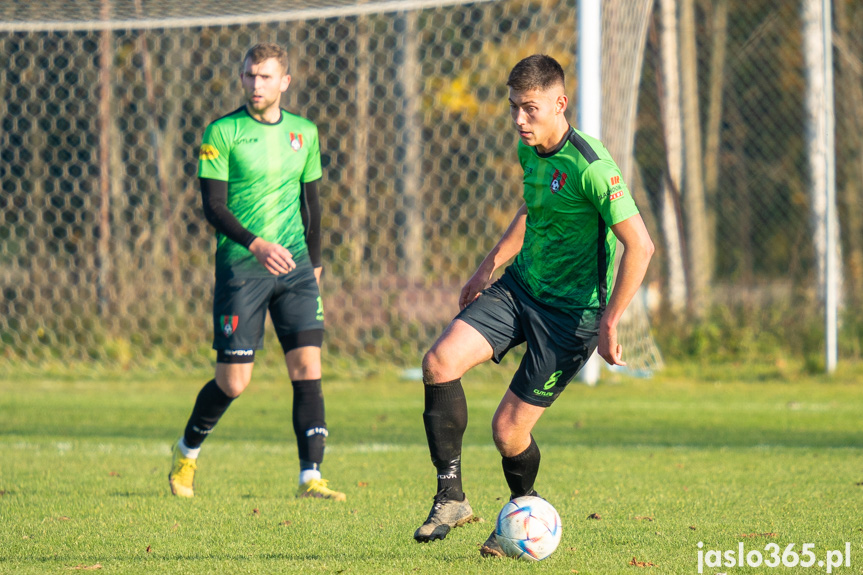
<point x="707" y="455"/>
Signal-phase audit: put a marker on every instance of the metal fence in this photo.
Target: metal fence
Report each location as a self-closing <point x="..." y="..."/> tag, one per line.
<point x="105" y="255"/>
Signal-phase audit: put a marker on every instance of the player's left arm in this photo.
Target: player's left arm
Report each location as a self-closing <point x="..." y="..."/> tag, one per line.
<point x="310" y="211"/>
<point x="603" y="185"/>
<point x="310" y="203"/>
<point x="637" y="251"/>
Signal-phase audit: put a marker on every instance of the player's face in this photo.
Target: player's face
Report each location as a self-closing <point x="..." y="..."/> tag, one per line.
<point x="263" y="84"/>
<point x="538" y="116"/>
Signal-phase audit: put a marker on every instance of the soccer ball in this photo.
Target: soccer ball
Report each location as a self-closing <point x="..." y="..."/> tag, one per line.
<point x="528" y="528"/>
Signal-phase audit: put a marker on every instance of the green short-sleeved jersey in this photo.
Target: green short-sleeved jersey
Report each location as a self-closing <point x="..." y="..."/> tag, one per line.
<point x="264" y="165"/>
<point x="573" y="197"/>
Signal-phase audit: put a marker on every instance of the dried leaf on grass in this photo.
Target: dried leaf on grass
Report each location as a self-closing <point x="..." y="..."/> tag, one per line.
<point x="594" y="516"/>
<point x="638" y="563"/>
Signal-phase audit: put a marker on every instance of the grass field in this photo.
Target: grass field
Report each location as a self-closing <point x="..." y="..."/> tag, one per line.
<point x="688" y="456"/>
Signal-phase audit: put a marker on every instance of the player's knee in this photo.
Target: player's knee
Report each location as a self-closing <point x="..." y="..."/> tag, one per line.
<point x="506" y="439"/>
<point x="233" y="384"/>
<point x="303" y="371"/>
<point x="434" y="367"/>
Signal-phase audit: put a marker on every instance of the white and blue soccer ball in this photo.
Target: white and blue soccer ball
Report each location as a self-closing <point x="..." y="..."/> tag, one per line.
<point x="528" y="528"/>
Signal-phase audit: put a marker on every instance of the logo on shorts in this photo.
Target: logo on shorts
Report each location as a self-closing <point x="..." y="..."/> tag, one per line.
<point x="239" y="352"/>
<point x="208" y="152"/>
<point x="296" y="141"/>
<point x="558" y="179"/>
<point x="319" y="314"/>
<point x="552" y="381"/>
<point x="229" y="324"/>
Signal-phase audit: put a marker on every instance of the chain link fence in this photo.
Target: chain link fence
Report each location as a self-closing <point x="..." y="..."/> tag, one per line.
<point x="105" y="254"/>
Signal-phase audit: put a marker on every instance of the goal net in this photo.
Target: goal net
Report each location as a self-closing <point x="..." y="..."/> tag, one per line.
<point x="104" y="251"/>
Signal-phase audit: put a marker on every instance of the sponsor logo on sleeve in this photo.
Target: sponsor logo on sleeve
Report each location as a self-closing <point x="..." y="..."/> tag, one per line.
<point x="208" y="152"/>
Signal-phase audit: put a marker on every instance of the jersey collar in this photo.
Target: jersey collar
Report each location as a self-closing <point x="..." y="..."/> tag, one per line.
<point x="557" y="148"/>
<point x="281" y="117"/>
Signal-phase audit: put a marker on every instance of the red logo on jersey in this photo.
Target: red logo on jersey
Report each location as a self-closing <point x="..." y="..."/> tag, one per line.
<point x="229" y="324"/>
<point x="615" y="180"/>
<point x="615" y="196"/>
<point x="558" y="179"/>
<point x="296" y="141"/>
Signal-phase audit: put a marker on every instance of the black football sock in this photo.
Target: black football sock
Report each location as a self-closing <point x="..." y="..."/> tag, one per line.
<point x="445" y="419"/>
<point x="309" y="424"/>
<point x="209" y="408"/>
<point x="520" y="471"/>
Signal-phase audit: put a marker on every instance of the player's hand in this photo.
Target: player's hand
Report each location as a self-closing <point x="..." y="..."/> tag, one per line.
<point x="318" y="271"/>
<point x="608" y="348"/>
<point x="474" y="286"/>
<point x="277" y="259"/>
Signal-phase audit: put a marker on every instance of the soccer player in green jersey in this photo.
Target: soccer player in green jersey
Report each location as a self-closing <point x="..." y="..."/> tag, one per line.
<point x="258" y="169"/>
<point x="556" y="296"/>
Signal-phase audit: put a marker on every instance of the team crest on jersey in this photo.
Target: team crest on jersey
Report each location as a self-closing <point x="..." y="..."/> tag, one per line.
<point x="229" y="324"/>
<point x="558" y="179"/>
<point x="208" y="152"/>
<point x="296" y="141"/>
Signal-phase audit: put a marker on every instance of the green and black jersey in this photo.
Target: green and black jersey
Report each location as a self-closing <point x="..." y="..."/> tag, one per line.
<point x="573" y="196"/>
<point x="264" y="165"/>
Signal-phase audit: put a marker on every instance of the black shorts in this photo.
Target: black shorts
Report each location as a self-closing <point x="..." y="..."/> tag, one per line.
<point x="558" y="342"/>
<point x="240" y="307"/>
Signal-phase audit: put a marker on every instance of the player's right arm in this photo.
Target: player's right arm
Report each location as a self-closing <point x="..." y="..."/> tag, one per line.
<point x="214" y="194"/>
<point x="213" y="176"/>
<point x="508" y="246"/>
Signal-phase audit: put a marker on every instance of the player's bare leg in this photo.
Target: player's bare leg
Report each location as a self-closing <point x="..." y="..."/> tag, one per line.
<point x="511" y="426"/>
<point x="304" y="369"/>
<point x="458" y="349"/>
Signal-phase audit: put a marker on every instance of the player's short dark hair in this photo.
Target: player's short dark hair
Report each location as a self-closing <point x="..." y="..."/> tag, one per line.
<point x="264" y="51"/>
<point x="537" y="72"/>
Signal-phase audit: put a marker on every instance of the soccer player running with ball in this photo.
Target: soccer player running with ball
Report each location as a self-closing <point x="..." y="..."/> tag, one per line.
<point x="556" y="296"/>
<point x="258" y="168"/>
